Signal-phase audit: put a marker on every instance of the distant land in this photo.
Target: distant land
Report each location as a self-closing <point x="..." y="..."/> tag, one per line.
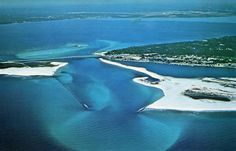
<point x="216" y="52"/>
<point x="21" y="18"/>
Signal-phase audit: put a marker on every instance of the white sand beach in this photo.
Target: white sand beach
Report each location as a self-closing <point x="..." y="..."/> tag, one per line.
<point x="173" y="88"/>
<point x="139" y="69"/>
<point x="33" y="71"/>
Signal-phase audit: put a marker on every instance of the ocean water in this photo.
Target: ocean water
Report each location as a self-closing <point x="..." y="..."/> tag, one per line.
<point x="37" y="36"/>
<point x="38" y="113"/>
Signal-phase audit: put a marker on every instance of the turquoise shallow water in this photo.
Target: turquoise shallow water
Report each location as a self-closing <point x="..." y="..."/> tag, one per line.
<point x="111" y="89"/>
<point x="107" y="126"/>
<point x="56" y="121"/>
<point x="38" y="36"/>
<point x="48" y="114"/>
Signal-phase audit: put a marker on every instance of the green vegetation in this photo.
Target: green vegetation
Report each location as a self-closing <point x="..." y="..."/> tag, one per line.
<point x="211" y="52"/>
<point x="4" y="65"/>
<point x="225" y="46"/>
<point x="9" y="65"/>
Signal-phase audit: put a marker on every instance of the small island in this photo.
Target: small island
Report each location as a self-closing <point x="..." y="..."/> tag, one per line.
<point x="216" y="52"/>
<point x="40" y="68"/>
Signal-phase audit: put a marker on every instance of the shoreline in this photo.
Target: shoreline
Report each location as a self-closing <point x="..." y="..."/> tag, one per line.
<point x="33" y="71"/>
<point x="139" y="69"/>
<point x="173" y="98"/>
<point x="171" y="63"/>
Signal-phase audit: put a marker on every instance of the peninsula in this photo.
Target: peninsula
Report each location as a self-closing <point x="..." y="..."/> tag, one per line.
<point x="187" y="94"/>
<point x="216" y="52"/>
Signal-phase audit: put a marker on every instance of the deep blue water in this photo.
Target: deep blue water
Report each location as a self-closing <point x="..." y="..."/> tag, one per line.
<point x="48" y="114"/>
